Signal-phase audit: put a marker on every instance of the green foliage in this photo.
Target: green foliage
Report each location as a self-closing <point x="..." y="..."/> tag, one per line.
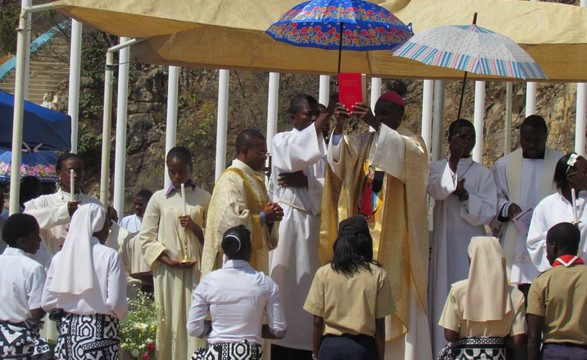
<point x="8" y="24"/>
<point x="138" y="331"/>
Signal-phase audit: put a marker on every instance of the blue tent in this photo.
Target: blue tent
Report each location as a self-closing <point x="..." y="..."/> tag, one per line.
<point x="41" y="126"/>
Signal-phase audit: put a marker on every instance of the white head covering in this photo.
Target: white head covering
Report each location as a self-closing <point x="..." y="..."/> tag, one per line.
<point x="74" y="272"/>
<point x="487" y="297"/>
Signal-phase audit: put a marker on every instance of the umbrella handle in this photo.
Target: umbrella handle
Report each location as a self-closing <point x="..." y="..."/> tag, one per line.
<point x="340" y="47"/>
<point x="462" y="96"/>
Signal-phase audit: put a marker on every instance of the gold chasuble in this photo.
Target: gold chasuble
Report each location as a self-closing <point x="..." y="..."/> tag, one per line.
<point x="383" y="176"/>
<point x="238" y="197"/>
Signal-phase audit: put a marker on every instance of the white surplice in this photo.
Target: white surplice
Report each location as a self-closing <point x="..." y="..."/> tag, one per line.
<point x="295" y="260"/>
<point x="552" y="210"/>
<point x="524" y="182"/>
<point x="455" y="223"/>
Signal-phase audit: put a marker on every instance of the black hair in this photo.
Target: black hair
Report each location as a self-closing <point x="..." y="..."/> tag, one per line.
<point x="454" y="126"/>
<point x="353" y="251"/>
<point x="18" y="226"/>
<point x="560" y="172"/>
<point x="566" y="236"/>
<point x="30" y="188"/>
<point x="145" y="194"/>
<point x="248" y="138"/>
<point x="236" y="243"/>
<point x="180" y="152"/>
<point x="535" y="122"/>
<point x="66" y="156"/>
<point x="298" y="101"/>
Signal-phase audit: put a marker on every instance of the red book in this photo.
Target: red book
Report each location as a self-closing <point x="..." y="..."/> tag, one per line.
<point x="351" y="89"/>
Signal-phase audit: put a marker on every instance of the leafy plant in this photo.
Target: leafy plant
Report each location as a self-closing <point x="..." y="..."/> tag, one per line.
<point x="138" y="331"/>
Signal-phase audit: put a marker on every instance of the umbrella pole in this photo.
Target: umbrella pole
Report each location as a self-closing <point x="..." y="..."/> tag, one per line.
<point x="462" y="95"/>
<point x="340" y="47"/>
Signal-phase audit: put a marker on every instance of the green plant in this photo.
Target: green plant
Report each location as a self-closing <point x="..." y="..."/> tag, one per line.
<point x="137" y="332"/>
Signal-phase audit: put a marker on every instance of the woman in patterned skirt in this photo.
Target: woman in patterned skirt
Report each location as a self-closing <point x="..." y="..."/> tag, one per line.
<point x="483" y="314"/>
<point x="236" y="296"/>
<point x="86" y="289"/>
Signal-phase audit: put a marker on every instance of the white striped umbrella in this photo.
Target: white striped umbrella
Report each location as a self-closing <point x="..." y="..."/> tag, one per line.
<point x="471" y="48"/>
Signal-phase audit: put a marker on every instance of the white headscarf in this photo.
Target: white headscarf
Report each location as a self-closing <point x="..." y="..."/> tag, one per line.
<point x="74" y="272"/>
<point x="488" y="295"/>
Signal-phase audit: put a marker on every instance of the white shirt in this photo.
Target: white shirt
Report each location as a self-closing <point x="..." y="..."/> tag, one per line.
<point x="109" y="297"/>
<point x="552" y="210"/>
<point x="132" y="223"/>
<point x="236" y="296"/>
<point x="21" y="281"/>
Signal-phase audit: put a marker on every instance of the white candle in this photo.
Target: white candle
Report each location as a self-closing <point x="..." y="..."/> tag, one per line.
<point x="185" y="212"/>
<point x="71" y="185"/>
<point x="574" y="204"/>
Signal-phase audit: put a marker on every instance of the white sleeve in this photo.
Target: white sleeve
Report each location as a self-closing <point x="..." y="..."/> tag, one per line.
<point x="536" y="240"/>
<point x="35" y="285"/>
<point x="442" y="181"/>
<point x="198" y="311"/>
<point x="275" y="316"/>
<point x="117" y="300"/>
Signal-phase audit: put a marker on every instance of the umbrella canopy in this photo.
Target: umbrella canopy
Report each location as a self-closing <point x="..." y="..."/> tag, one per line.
<point x="220" y="36"/>
<point x="42" y="127"/>
<point x="473" y="49"/>
<point x="38" y="163"/>
<point x="340" y="25"/>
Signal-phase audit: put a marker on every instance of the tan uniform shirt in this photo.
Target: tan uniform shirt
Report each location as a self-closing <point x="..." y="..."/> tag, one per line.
<point x="513" y="323"/>
<point x="350" y="305"/>
<point x="560" y="296"/>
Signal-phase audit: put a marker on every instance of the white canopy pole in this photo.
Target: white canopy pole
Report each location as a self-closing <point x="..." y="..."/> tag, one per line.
<point x="171" y="125"/>
<point x="222" y="122"/>
<point x="121" y="121"/>
<point x="22" y="54"/>
<point x="272" y="107"/>
<point x="530" y="98"/>
<point x="324" y="90"/>
<point x="479" y="118"/>
<point x="427" y="103"/>
<point x="75" y="54"/>
<point x="107" y="118"/>
<point x="507" y="128"/>
<point x="375" y="91"/>
<point x="27" y="66"/>
<point x="438" y="120"/>
<point x="581" y="112"/>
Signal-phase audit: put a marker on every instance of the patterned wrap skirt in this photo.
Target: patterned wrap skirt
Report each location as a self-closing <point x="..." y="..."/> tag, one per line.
<point x="83" y="337"/>
<point x="230" y="351"/>
<point x="478" y="348"/>
<point x="22" y="341"/>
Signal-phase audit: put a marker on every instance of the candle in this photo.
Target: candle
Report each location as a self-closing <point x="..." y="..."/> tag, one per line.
<point x="574" y="204"/>
<point x="185" y="212"/>
<point x="71" y="185"/>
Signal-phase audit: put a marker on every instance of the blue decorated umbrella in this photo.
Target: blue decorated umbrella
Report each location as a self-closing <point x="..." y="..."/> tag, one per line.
<point x="38" y="163"/>
<point x="340" y="25"/>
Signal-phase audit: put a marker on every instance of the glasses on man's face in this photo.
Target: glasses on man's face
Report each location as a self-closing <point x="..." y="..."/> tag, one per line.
<point x="263" y="153"/>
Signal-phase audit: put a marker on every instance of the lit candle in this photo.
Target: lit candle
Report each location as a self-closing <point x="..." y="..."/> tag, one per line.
<point x="185" y="212"/>
<point x="574" y="204"/>
<point x="71" y="184"/>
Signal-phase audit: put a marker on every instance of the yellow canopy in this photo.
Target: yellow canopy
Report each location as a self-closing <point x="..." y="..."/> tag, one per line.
<point x="230" y="34"/>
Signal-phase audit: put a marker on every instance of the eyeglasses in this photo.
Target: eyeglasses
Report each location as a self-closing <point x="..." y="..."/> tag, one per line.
<point x="263" y="153"/>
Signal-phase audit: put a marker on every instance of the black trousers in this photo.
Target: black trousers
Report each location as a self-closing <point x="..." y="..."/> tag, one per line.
<point x="348" y="347"/>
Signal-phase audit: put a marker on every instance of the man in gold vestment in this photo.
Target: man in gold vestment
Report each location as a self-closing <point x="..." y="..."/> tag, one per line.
<point x="240" y="198"/>
<point x="382" y="175"/>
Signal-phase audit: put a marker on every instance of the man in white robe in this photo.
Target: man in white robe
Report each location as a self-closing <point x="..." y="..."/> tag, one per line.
<point x="465" y="201"/>
<point x="297" y="179"/>
<point x="382" y="176"/>
<point x="523" y="178"/>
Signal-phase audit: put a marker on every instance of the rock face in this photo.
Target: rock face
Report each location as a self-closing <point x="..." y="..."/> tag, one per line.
<point x="247" y="109"/>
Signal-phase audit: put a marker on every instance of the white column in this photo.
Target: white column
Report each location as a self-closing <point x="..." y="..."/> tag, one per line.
<point x="438" y="120"/>
<point x="171" y="125"/>
<point x="324" y="90"/>
<point x="27" y="65"/>
<point x="375" y="91"/>
<point x="121" y="121"/>
<point x="427" y="106"/>
<point x="272" y="107"/>
<point x="507" y="128"/>
<point x="222" y="122"/>
<point x="106" y="127"/>
<point x="75" y="54"/>
<point x="478" y="120"/>
<point x="22" y="53"/>
<point x="530" y="98"/>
